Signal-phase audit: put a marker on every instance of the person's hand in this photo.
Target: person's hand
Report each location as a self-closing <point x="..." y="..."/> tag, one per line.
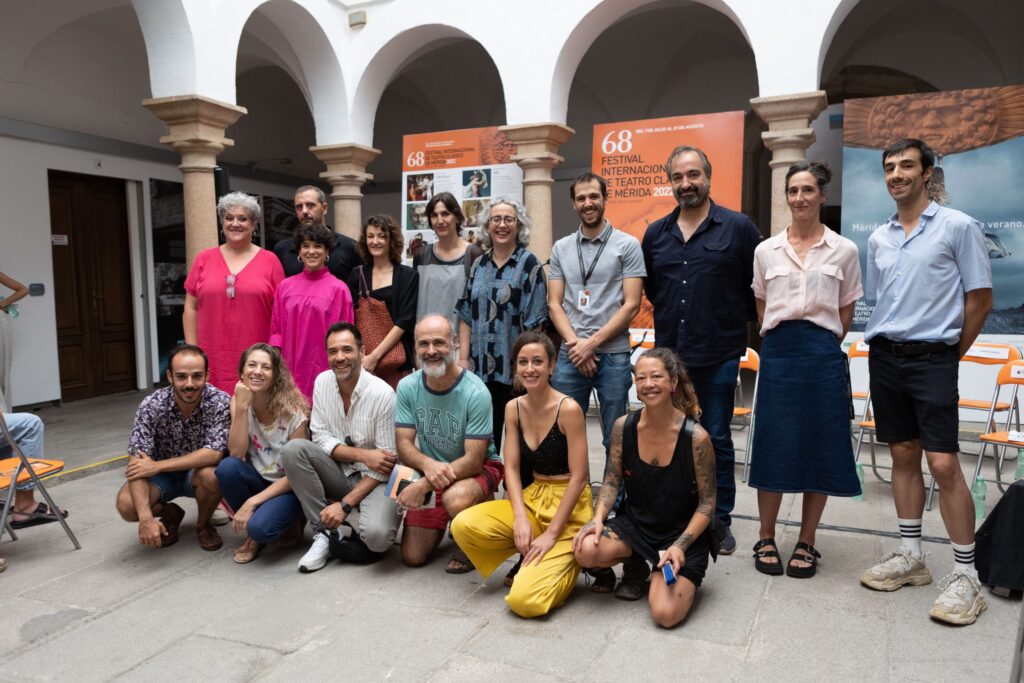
<point x="241" y="519"/>
<point x="379" y="460"/>
<point x="141" y="466"/>
<point x="466" y="363"/>
<point x="151" y="531"/>
<point x="539" y="548"/>
<point x="243" y="395"/>
<point x="522" y="534"/>
<point x="370" y="362"/>
<point x="439" y="474"/>
<point x="581" y="351"/>
<point x="412" y="496"/>
<point x="595" y="527"/>
<point x="332" y="516"/>
<point x="675" y="556"/>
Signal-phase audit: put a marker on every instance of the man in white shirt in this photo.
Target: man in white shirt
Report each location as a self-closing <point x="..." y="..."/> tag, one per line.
<point x="351" y="455"/>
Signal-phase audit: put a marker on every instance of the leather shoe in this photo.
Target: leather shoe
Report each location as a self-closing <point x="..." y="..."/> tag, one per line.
<point x="209" y="539"/>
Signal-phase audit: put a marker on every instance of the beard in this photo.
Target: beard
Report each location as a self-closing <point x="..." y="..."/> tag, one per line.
<point x="436" y="369"/>
<point x="692" y="201"/>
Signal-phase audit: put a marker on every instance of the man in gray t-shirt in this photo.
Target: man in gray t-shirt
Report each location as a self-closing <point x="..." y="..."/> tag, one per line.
<point x="595" y="282"/>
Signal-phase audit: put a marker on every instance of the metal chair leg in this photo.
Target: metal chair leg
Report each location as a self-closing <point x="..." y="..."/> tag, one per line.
<point x="931" y="494"/>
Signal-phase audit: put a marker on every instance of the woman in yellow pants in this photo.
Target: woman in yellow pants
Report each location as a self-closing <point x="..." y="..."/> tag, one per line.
<point x="540" y="521"/>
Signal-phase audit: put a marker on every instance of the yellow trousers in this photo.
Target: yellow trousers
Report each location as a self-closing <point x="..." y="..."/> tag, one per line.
<point x="485" y="534"/>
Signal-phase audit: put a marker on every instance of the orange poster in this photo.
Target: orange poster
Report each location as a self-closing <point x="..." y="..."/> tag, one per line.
<point x="631" y="156"/>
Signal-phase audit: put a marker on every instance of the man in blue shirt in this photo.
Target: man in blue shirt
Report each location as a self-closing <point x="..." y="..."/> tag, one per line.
<point x="700" y="263"/>
<point x="929" y="275"/>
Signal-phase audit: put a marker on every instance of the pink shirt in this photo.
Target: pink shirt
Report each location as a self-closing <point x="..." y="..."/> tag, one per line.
<point x="813" y="290"/>
<point x="228" y="326"/>
<point x="304" y="307"/>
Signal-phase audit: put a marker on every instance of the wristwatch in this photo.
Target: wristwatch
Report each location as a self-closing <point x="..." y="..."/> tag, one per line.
<point x="346" y="508"/>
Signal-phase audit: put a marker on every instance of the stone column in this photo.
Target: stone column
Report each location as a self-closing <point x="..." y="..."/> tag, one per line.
<point x="196" y="126"/>
<point x="788" y="136"/>
<point x="536" y="153"/>
<point x="346" y="172"/>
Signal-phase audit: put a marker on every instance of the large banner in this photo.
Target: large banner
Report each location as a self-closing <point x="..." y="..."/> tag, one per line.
<point x="474" y="164"/>
<point x="631" y="156"/>
<point x="978" y="135"/>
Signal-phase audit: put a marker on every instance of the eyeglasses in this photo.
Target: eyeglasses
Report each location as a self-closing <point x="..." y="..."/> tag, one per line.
<point x="230" y="279"/>
<point x="507" y="220"/>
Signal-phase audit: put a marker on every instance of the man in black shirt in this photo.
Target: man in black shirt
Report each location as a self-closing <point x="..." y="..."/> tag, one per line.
<point x="311" y="209"/>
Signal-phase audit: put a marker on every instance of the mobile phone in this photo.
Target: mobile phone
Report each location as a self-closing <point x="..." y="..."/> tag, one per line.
<point x="670" y="576"/>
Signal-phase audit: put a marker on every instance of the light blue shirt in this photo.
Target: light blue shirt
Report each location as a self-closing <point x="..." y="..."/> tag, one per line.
<point x="917" y="283"/>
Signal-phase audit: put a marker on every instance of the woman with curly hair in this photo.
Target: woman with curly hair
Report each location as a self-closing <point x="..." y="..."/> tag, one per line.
<point x="267" y="411"/>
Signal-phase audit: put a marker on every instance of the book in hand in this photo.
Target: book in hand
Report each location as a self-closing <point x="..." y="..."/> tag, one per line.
<point x="402" y="476"/>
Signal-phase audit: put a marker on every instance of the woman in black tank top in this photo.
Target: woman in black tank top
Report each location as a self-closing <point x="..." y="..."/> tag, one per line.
<point x="666" y="463"/>
<point x="545" y="431"/>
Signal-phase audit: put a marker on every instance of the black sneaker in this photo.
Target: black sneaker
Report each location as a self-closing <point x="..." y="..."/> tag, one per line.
<point x="635" y="572"/>
<point x="348" y="547"/>
<point x="728" y="543"/>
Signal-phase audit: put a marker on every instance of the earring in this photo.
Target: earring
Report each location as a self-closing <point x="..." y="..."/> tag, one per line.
<point x="299" y="259"/>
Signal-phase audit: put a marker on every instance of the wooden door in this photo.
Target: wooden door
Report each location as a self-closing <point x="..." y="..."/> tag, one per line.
<point x="92" y="285"/>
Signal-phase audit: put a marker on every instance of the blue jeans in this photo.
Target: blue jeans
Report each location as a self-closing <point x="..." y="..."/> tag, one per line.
<point x="27" y="430"/>
<point x="716" y="393"/>
<point x="612" y="380"/>
<point x="239" y="481"/>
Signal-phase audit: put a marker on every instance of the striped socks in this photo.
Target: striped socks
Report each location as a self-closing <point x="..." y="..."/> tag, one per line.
<point x="910" y="534"/>
<point x="963" y="559"/>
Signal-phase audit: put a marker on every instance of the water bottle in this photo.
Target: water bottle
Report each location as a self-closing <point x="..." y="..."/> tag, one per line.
<point x="12" y="311"/>
<point x="860" y="478"/>
<point x="1019" y="474"/>
<point x="978" y="494"/>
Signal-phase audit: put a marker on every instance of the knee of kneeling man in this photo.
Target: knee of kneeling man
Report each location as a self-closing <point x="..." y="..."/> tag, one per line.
<point x="378" y="540"/>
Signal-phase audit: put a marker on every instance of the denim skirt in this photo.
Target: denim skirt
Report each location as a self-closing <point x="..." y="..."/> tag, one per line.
<point x="802" y="426"/>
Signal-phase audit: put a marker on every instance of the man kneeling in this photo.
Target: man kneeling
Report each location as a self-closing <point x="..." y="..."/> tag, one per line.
<point x="448" y="411"/>
<point x="179" y="436"/>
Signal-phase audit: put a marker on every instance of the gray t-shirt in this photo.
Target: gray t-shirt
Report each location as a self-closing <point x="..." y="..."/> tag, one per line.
<point x="602" y="296"/>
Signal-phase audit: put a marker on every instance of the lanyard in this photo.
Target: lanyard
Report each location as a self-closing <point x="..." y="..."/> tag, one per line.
<point x="593" y="264"/>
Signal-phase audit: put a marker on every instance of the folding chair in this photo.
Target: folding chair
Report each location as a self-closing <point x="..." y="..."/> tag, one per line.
<point x="982" y="353"/>
<point x="1011" y="374"/>
<point x="750" y="361"/>
<point x="19" y="470"/>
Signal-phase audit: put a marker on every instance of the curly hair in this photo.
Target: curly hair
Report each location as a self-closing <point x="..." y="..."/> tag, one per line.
<point x="389" y="225"/>
<point x="239" y="200"/>
<point x="684" y="397"/>
<point x="285" y="399"/>
<point x="319" y="233"/>
<point x="522" y="220"/>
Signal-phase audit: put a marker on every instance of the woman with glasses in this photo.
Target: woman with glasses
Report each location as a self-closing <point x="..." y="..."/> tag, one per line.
<point x="229" y="291"/>
<point x="305" y="305"/>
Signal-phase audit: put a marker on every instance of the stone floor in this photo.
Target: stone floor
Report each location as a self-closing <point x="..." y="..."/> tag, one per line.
<point x="117" y="610"/>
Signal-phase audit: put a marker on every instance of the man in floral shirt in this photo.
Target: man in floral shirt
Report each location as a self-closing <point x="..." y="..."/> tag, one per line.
<point x="179" y="435"/>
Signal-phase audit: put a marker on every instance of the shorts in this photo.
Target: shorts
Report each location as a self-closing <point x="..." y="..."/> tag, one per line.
<point x="437" y="517"/>
<point x="173" y="485"/>
<point x="915" y="397"/>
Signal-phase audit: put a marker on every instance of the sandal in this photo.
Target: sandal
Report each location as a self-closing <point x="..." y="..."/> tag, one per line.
<point x="604" y="579"/>
<point x="769" y="568"/>
<point x="510" y="577"/>
<point x="41" y="515"/>
<point x="459" y="564"/>
<point x="247" y="552"/>
<point x="803" y="552"/>
<point x="3" y="564"/>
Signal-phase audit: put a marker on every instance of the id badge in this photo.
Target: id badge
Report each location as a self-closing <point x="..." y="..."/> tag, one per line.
<point x="584" y="299"/>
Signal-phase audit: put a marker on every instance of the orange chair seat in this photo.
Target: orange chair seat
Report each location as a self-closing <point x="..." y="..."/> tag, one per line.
<point x="1000" y="437"/>
<point x="1001" y="406"/>
<point x="860" y="394"/>
<point x="867" y="424"/>
<point x="41" y="467"/>
<point x="741" y="412"/>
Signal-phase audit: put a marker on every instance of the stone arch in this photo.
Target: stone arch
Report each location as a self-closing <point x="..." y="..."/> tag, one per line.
<point x="170" y="47"/>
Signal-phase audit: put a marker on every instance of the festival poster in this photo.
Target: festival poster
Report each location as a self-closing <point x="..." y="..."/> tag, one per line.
<point x="474" y="164"/>
<point x="631" y="155"/>
<point x="978" y="136"/>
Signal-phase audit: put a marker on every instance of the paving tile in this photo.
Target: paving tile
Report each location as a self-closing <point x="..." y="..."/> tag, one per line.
<point x="26" y="621"/>
<point x="196" y="658"/>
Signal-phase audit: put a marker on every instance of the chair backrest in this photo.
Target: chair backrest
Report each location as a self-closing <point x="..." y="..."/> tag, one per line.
<point x="1011" y="373"/>
<point x="750" y="360"/>
<point x="858" y="349"/>
<point x="984" y="353"/>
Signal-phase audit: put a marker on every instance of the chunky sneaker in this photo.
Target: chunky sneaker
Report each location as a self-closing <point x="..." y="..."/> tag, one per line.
<point x="896" y="570"/>
<point x="960" y="601"/>
<point x="317" y="555"/>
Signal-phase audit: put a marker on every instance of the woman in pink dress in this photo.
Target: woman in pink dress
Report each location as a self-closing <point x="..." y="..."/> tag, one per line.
<point x="305" y="306"/>
<point x="229" y="291"/>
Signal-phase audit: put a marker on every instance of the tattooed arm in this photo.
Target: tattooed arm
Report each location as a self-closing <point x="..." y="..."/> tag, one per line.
<point x="609" y="488"/>
<point x="704" y="469"/>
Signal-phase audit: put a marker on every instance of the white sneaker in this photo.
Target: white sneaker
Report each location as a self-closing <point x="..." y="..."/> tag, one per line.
<point x="960" y="601"/>
<point x="317" y="555"/>
<point x="896" y="570"/>
<point x="220" y="517"/>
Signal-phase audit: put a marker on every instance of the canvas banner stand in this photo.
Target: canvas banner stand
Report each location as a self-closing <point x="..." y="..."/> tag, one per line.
<point x="474" y="164"/>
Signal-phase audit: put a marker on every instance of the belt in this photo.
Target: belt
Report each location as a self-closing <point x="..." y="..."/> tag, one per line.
<point x="910" y="348"/>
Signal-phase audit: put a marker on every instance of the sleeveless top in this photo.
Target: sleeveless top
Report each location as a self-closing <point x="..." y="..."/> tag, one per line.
<point x="551" y="457"/>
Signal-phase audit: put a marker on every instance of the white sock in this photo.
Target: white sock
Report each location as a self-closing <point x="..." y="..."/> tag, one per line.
<point x="963" y="559"/>
<point x="910" y="534"/>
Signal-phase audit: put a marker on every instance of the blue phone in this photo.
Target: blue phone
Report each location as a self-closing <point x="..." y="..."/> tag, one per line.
<point x="670" y="576"/>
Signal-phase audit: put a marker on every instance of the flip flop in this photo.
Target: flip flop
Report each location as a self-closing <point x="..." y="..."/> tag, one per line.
<point x="459" y="564"/>
<point x="41" y="515"/>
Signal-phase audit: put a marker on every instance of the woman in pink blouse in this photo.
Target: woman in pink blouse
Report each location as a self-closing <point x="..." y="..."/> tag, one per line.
<point x="806" y="283"/>
<point x="305" y="306"/>
<point x="229" y="291"/>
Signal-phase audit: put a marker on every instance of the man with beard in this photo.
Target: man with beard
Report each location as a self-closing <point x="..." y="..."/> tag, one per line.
<point x="444" y="430"/>
<point x="351" y="454"/>
<point x="700" y="265"/>
<point x="311" y="209"/>
<point x="179" y="435"/>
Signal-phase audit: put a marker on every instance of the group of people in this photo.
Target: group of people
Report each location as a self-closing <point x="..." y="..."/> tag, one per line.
<point x="495" y="400"/>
